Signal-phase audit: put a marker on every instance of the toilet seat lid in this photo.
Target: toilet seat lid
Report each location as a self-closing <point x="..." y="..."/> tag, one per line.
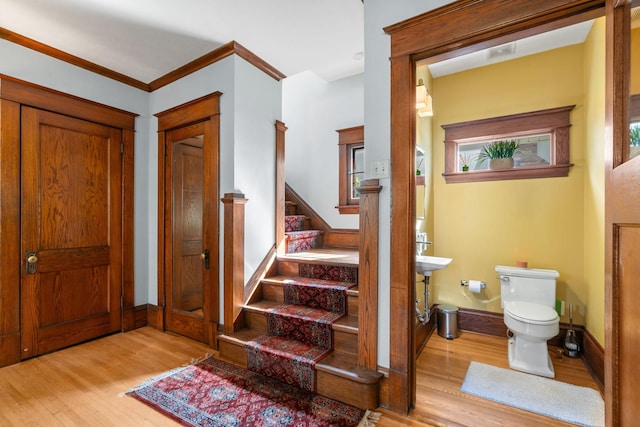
<point x="530" y="312"/>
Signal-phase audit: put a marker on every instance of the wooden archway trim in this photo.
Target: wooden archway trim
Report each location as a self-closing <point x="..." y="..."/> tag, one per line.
<point x="449" y="31"/>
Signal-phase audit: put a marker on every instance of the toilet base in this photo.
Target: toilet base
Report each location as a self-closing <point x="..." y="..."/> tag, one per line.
<point x="531" y="357"/>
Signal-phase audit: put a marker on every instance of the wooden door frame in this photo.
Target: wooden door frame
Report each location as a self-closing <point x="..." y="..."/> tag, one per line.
<point x="14" y="93"/>
<point x="443" y="33"/>
<point x="206" y="108"/>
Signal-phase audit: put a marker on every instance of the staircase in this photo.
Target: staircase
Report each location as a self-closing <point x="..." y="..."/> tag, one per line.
<point x="309" y="282"/>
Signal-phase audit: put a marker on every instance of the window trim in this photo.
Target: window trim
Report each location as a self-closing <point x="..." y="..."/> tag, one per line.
<point x="634" y="108"/>
<point x="554" y="121"/>
<point x="348" y="140"/>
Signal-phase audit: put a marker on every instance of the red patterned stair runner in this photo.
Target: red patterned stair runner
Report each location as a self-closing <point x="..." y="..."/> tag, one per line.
<point x="299" y="332"/>
<point x="298" y="238"/>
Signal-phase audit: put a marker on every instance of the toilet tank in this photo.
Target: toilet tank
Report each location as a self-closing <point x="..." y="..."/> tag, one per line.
<point x="527" y="284"/>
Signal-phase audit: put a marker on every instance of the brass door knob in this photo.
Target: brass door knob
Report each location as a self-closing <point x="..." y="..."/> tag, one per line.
<point x="32" y="259"/>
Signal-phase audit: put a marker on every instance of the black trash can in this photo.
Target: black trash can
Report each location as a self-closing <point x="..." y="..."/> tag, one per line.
<point x="448" y="321"/>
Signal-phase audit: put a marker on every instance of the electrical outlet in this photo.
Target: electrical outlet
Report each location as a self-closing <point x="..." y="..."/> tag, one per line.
<point x="380" y="169"/>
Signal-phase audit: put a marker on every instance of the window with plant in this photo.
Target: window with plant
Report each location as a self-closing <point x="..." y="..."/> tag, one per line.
<point x="526" y="151"/>
<point x="526" y="145"/>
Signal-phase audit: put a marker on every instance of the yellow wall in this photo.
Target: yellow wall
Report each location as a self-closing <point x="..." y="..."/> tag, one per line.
<point x="424" y="131"/>
<point x="594" y="247"/>
<point x="424" y="195"/>
<point x="543" y="221"/>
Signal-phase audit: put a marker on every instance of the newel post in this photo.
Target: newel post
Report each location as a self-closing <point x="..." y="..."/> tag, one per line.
<point x="280" y="188"/>
<point x="233" y="258"/>
<point x="368" y="274"/>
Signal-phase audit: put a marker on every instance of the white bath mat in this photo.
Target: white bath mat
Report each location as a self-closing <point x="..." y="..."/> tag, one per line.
<point x="582" y="406"/>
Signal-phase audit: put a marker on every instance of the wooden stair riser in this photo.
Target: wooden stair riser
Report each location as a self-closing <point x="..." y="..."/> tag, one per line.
<point x="232" y="352"/>
<point x="352" y="302"/>
<point x="288" y="268"/>
<point x="345" y="342"/>
<point x="272" y="292"/>
<point x="255" y="321"/>
<point x="290" y="208"/>
<point x="363" y="396"/>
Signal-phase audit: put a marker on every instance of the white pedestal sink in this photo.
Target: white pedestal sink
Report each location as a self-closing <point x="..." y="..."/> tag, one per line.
<point x="425" y="264"/>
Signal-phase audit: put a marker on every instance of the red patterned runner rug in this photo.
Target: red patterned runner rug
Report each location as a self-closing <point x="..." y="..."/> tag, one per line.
<point x="317" y="293"/>
<point x="217" y="394"/>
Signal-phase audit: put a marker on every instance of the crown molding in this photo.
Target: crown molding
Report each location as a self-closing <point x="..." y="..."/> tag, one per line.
<point x="71" y="59"/>
<point x="215" y="55"/>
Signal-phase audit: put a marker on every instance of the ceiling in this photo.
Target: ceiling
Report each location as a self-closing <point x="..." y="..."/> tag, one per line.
<point x="146" y="39"/>
<point x="566" y="36"/>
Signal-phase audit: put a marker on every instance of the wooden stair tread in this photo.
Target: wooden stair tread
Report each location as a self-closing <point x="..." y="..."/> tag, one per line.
<point x="239" y="337"/>
<point x="280" y="280"/>
<point x="353" y="292"/>
<point x="345" y="366"/>
<point x="304" y="233"/>
<point x="328" y="256"/>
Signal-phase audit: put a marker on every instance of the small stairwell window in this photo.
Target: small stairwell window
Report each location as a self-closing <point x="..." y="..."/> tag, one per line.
<point x="351" y="168"/>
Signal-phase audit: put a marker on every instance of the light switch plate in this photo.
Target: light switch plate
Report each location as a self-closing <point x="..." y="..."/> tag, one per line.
<point x="380" y="169"/>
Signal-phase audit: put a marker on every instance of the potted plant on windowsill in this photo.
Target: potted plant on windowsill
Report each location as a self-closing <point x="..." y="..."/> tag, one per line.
<point x="464" y="162"/>
<point x="499" y="153"/>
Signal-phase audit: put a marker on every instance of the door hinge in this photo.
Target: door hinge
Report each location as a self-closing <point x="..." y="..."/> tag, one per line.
<point x="121" y="148"/>
<point x="122" y="302"/>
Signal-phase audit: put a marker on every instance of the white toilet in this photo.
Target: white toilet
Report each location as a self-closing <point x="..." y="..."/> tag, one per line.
<point x="528" y="300"/>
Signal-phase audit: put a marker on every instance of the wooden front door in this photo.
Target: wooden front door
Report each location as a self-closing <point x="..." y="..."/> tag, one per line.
<point x="71" y="239"/>
<point x="189" y="257"/>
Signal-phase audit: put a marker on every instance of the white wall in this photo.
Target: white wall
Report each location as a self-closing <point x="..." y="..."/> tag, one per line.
<point x="258" y="104"/>
<point x="377" y="15"/>
<point x="313" y="110"/>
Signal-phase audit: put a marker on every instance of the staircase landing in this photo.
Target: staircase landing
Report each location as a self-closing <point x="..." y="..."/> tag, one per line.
<point x="333" y="256"/>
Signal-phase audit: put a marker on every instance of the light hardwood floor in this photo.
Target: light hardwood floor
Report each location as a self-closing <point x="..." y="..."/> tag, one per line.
<point x="84" y="385"/>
